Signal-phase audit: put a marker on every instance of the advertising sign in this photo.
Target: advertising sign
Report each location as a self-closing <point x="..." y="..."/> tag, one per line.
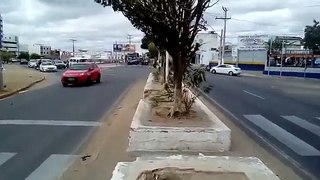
<point x="117" y="47"/>
<point x="255" y="42"/>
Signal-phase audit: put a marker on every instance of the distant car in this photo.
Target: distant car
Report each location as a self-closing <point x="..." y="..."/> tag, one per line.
<point x="81" y="73"/>
<point x="226" y="69"/>
<point x="60" y="64"/>
<point x="23" y="61"/>
<point x="32" y="63"/>
<point x="48" y="67"/>
<point x="132" y="60"/>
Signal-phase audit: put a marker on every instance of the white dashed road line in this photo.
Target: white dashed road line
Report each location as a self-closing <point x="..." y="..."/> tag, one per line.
<point x="252" y="94"/>
<point x="4" y="157"/>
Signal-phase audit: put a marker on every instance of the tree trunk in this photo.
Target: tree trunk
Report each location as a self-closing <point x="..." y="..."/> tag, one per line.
<point x="176" y="110"/>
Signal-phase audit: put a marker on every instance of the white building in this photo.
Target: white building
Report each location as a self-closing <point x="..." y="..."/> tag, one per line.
<point x="209" y="49"/>
<point x="40" y="49"/>
<point x="10" y="43"/>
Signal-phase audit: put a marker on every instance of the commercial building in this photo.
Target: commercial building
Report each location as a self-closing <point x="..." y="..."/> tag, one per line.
<point x="10" y="43"/>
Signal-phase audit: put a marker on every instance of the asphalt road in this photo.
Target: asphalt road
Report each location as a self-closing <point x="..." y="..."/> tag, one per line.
<point x="284" y="112"/>
<point x="41" y="130"/>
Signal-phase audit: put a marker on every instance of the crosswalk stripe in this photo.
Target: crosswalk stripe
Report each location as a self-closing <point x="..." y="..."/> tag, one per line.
<point x="304" y="124"/>
<point x="5" y="156"/>
<point x="53" y="167"/>
<point x="294" y="143"/>
<point x="49" y="123"/>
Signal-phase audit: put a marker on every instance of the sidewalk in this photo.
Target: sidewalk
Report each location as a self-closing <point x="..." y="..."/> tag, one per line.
<point x="108" y="144"/>
<point x="259" y="74"/>
<point x="17" y="78"/>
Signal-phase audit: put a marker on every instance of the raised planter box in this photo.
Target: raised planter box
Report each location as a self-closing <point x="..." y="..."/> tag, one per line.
<point x="194" y="167"/>
<point x="213" y="136"/>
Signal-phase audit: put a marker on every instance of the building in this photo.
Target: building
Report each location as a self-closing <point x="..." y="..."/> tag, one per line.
<point x="40" y="49"/>
<point x="209" y="48"/>
<point x="23" y="48"/>
<point x="1" y="31"/>
<point x="10" y="43"/>
<point x="251" y="52"/>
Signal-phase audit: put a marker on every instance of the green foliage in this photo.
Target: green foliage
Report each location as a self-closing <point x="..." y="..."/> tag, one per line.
<point x="35" y="56"/>
<point x="312" y="36"/>
<point x="145" y="41"/>
<point x="5" y="56"/>
<point x="153" y="51"/>
<point x="24" y="55"/>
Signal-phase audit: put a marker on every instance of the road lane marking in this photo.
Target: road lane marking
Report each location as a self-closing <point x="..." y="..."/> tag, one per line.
<point x="252" y="94"/>
<point x="53" y="167"/>
<point x="318" y="118"/>
<point x="49" y="123"/>
<point x="304" y="124"/>
<point x="4" y="157"/>
<point x="291" y="141"/>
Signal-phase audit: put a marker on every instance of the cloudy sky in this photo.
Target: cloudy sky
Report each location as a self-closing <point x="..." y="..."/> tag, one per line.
<point x="54" y="22"/>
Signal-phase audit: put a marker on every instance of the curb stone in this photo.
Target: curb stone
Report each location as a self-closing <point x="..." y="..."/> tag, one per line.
<point x="21" y="89"/>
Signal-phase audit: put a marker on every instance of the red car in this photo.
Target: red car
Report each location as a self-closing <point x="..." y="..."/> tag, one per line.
<point x="81" y="73"/>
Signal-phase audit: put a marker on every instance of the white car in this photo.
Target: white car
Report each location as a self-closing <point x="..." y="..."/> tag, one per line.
<point x="48" y="67"/>
<point x="226" y="69"/>
<point x="32" y="63"/>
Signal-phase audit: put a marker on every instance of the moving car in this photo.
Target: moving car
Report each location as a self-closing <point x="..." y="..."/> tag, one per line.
<point x="81" y="73"/>
<point x="226" y="69"/>
<point x="47" y="67"/>
<point x="40" y="61"/>
<point x="60" y="64"/>
<point x="32" y="63"/>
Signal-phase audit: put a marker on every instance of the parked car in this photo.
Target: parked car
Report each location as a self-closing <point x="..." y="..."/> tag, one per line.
<point x="81" y="73"/>
<point x="60" y="64"/>
<point x="226" y="69"/>
<point x="40" y="61"/>
<point x="47" y="67"/>
<point x="23" y="61"/>
<point x="32" y="63"/>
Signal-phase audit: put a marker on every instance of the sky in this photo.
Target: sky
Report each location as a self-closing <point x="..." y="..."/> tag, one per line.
<point x="55" y="22"/>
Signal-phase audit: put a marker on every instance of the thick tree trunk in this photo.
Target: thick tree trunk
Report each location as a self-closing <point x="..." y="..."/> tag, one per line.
<point x="178" y="73"/>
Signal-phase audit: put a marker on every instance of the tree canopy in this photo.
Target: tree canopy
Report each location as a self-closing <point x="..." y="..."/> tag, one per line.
<point x="145" y="41"/>
<point x="153" y="51"/>
<point x="5" y="56"/>
<point x="172" y="25"/>
<point x="35" y="56"/>
<point x="312" y="36"/>
<point x="24" y="55"/>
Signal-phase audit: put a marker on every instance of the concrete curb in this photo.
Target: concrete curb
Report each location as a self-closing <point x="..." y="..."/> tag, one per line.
<point x="296" y="166"/>
<point x="21" y="89"/>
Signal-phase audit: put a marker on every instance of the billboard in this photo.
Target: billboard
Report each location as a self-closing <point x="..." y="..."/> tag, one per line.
<point x="117" y="47"/>
<point x="255" y="42"/>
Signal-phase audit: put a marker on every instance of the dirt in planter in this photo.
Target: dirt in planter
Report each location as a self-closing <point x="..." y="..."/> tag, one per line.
<point x="189" y="174"/>
<point x="159" y="117"/>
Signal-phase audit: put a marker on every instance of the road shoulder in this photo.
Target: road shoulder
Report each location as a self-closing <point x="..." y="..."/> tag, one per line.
<point x="108" y="144"/>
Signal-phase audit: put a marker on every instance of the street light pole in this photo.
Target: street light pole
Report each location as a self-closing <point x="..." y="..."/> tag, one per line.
<point x="269" y="63"/>
<point x="73" y="51"/>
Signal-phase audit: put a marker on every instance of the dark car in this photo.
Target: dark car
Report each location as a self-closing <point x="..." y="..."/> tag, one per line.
<point x="132" y="60"/>
<point x="144" y="61"/>
<point x="23" y="61"/>
<point x="60" y="64"/>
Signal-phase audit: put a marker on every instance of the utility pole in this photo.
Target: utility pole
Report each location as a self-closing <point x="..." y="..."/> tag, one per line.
<point x="73" y="40"/>
<point x="225" y="18"/>
<point x="220" y="49"/>
<point x="282" y="53"/>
